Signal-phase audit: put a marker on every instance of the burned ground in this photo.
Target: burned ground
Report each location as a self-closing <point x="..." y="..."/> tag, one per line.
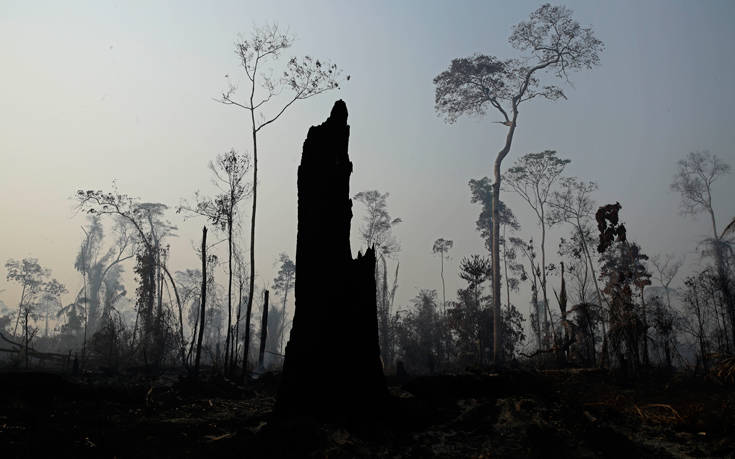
<point x="561" y="413"/>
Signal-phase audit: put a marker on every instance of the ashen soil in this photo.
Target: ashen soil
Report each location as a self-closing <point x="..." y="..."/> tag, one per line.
<point x="562" y="413"/>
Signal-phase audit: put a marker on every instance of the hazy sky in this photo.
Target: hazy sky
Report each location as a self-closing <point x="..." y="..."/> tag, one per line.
<point x="98" y="91"/>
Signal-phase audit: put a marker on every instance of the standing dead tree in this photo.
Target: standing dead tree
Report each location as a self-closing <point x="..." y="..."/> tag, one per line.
<point x="263" y="331"/>
<point x="340" y="321"/>
<point x="203" y="301"/>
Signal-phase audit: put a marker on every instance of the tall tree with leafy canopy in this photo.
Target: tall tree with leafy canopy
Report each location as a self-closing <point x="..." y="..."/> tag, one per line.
<point x="550" y="42"/>
<point x="268" y="97"/>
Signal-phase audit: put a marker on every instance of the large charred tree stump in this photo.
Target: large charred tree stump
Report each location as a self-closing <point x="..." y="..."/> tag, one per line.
<point x="332" y="367"/>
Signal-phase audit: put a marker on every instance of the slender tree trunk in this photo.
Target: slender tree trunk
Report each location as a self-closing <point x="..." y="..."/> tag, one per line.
<point x="181" y="317"/>
<point x="263" y="331"/>
<point x="385" y="316"/>
<point x="26" y="337"/>
<point x="229" y="289"/>
<point x="252" y="231"/>
<point x="600" y="296"/>
<point x="236" y="353"/>
<point x="700" y="330"/>
<point x="202" y="307"/>
<point x="20" y="309"/>
<point x="194" y="334"/>
<point x="246" y="345"/>
<point x="86" y="320"/>
<point x="282" y="330"/>
<point x="444" y="294"/>
<point x="505" y="272"/>
<point x="135" y="328"/>
<point x="157" y="348"/>
<point x="537" y="327"/>
<point x="721" y="330"/>
<point x="495" y="252"/>
<point x="547" y="312"/>
<point x="645" y="330"/>
<point x="722" y="275"/>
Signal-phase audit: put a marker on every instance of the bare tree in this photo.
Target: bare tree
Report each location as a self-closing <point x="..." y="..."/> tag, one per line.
<point x="442" y="246"/>
<point x="550" y="41"/>
<point x="302" y="78"/>
<point x="693" y="180"/>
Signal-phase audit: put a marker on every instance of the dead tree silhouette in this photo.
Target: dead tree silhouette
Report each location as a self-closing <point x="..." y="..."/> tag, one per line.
<point x="332" y="368"/>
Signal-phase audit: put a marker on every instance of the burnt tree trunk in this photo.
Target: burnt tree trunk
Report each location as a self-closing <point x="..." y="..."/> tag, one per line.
<point x="332" y="367"/>
<point x="203" y="305"/>
<point x="263" y="331"/>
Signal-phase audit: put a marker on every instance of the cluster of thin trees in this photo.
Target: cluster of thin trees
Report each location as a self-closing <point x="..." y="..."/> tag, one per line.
<point x="183" y="316"/>
<point x="603" y="303"/>
<point x="612" y="314"/>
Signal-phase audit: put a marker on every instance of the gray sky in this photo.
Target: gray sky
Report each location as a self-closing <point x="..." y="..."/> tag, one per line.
<point x="99" y="91"/>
